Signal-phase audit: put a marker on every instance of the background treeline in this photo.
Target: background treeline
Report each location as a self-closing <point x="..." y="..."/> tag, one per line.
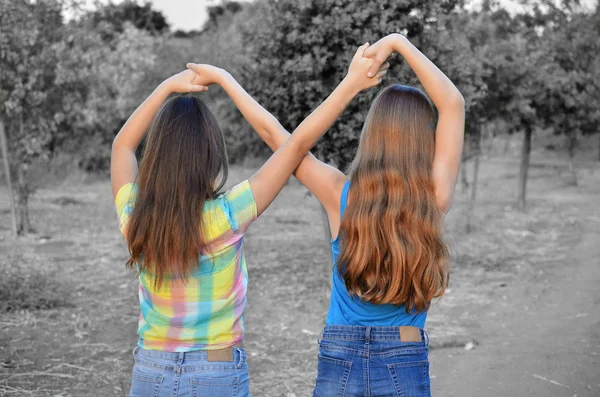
<point x="67" y="84"/>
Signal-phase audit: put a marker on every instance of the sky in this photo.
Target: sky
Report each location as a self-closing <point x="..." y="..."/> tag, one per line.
<point x="184" y="14"/>
<point x="191" y="14"/>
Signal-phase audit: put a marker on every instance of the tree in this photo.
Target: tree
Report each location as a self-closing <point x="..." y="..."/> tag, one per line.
<point x="300" y="51"/>
<point x="572" y="75"/>
<point x="63" y="86"/>
<point x="117" y="16"/>
<point x="29" y="33"/>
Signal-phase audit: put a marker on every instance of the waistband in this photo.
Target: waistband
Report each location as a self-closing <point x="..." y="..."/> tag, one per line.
<point x="368" y="333"/>
<point x="226" y="354"/>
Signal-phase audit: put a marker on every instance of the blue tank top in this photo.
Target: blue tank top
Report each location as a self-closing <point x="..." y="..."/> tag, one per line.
<point x="347" y="310"/>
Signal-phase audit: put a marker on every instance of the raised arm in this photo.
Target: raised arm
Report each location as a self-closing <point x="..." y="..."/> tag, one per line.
<point x="449" y="102"/>
<point x="271" y="177"/>
<point x="123" y="164"/>
<point x="323" y="180"/>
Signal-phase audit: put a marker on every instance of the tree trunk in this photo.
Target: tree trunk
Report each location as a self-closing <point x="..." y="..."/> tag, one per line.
<point x="463" y="177"/>
<point x="11" y="197"/>
<point x="24" y="225"/>
<point x="524" y="168"/>
<point x="474" y="182"/>
<point x="572" y="146"/>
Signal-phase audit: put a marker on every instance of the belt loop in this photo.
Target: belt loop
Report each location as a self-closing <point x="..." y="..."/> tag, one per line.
<point x="135" y="350"/>
<point x="425" y="337"/>
<point x="368" y="335"/>
<point x="320" y="337"/>
<point x="181" y="358"/>
<point x="241" y="358"/>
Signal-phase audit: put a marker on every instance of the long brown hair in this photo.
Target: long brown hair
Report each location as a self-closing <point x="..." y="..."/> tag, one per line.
<point x="184" y="164"/>
<point x="392" y="249"/>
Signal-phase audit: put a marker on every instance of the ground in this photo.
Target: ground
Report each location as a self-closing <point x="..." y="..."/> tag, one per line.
<point x="521" y="316"/>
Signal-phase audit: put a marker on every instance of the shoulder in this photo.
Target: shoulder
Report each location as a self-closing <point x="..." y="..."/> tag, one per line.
<point x="239" y="205"/>
<point x="126" y="195"/>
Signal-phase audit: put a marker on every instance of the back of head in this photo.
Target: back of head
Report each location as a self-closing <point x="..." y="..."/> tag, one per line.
<point x="392" y="248"/>
<point x="184" y="164"/>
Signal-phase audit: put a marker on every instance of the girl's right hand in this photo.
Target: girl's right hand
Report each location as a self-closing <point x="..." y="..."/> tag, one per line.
<point x="206" y="74"/>
<point x="358" y="69"/>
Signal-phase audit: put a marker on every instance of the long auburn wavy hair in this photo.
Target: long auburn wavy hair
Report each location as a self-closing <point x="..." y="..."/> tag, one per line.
<point x="392" y="249"/>
<point x="184" y="164"/>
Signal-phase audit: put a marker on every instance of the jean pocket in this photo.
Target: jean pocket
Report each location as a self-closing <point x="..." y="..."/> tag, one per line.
<point x="145" y="383"/>
<point x="411" y="379"/>
<point x="226" y="386"/>
<point x="332" y="376"/>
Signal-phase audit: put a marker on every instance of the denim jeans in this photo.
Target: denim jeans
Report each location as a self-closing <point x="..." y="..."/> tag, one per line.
<point x="162" y="374"/>
<point x="370" y="362"/>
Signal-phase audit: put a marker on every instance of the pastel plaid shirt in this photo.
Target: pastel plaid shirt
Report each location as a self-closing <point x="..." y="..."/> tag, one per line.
<point x="206" y="310"/>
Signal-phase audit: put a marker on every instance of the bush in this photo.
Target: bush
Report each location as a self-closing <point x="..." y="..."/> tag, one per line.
<point x="25" y="286"/>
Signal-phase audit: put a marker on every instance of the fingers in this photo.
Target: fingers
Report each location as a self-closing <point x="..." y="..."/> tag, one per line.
<point x="198" y="88"/>
<point x="191" y="66"/>
<point x="385" y="66"/>
<point x="360" y="51"/>
<point x="375" y="66"/>
<point x="380" y="75"/>
<point x="370" y="52"/>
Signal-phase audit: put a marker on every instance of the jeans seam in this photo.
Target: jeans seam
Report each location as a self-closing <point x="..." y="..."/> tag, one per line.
<point x="346" y="376"/>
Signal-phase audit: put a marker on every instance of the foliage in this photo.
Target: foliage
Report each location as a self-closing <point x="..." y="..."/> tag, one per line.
<point x="118" y="16"/>
<point x="300" y="51"/>
<point x="27" y="286"/>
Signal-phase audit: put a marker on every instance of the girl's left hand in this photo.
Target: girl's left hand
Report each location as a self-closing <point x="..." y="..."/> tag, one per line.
<point x="183" y="82"/>
<point x="359" y="67"/>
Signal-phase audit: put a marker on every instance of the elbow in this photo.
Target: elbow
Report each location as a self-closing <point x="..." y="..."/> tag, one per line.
<point x="458" y="101"/>
<point x="116" y="144"/>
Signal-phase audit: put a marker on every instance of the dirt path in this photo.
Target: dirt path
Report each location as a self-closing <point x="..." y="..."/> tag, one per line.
<point x="543" y="339"/>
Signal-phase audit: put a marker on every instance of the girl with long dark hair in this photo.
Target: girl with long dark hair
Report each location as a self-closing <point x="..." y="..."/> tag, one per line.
<point x="185" y="237"/>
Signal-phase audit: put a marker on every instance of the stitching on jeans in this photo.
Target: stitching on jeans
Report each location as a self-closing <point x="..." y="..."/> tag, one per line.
<point x="401" y="352"/>
<point x="151" y="364"/>
<point x="343" y="349"/>
<point x="211" y="368"/>
<point x="346" y="376"/>
<point x="366" y="373"/>
<point x="425" y="378"/>
<point x="409" y="364"/>
<point x="395" y="381"/>
<point x="214" y="382"/>
<point x="335" y="361"/>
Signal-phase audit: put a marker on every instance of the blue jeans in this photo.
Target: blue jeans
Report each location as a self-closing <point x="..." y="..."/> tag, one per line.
<point x="161" y="374"/>
<point x="371" y="361"/>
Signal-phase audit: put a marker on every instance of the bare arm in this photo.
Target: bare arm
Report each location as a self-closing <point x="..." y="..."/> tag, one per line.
<point x="123" y="163"/>
<point x="270" y="179"/>
<point x="449" y="102"/>
<point x="323" y="180"/>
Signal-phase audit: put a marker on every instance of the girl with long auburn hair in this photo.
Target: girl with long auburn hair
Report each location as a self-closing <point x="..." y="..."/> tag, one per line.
<point x="386" y="220"/>
<point x="185" y="238"/>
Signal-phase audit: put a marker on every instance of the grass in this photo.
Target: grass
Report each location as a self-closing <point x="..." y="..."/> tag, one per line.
<point x="69" y="315"/>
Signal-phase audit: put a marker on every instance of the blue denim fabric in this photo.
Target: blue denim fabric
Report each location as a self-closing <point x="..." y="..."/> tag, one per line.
<point x="370" y="362"/>
<point x="162" y="374"/>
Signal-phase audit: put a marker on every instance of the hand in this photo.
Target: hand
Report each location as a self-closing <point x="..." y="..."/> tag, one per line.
<point x="183" y="82"/>
<point x="357" y="71"/>
<point x="206" y="74"/>
<point x="380" y="52"/>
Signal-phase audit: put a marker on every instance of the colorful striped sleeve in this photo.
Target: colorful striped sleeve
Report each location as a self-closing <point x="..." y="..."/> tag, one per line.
<point x="240" y="207"/>
<point x="124" y="203"/>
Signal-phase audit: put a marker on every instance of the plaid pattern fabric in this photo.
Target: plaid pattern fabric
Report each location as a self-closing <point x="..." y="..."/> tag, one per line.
<point x="206" y="310"/>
